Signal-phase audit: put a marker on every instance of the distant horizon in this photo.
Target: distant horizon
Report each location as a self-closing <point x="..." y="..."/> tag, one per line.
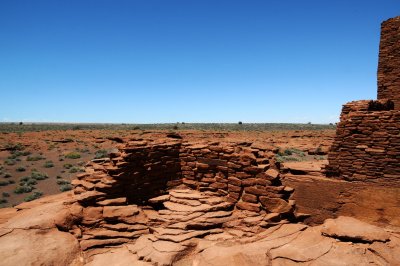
<point x="147" y="62"/>
<point x="161" y="123"/>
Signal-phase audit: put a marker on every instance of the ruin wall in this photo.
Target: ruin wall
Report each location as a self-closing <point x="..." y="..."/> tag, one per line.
<point x="367" y="143"/>
<point x="389" y="62"/>
<point x="243" y="174"/>
<point x="141" y="173"/>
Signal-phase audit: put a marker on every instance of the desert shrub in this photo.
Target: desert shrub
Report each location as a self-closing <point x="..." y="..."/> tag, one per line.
<point x="4" y="183"/>
<point x="27" y="181"/>
<point x="26" y="153"/>
<point x="63" y="182"/>
<point x="58" y="177"/>
<point x="35" y="158"/>
<point x="15" y="147"/>
<point x="2" y="201"/>
<point x="23" y="189"/>
<point x="48" y="164"/>
<point x="38" y="175"/>
<point x="290" y="154"/>
<point x="65" y="187"/>
<point x="67" y="165"/>
<point x="20" y="169"/>
<point x="73" y="155"/>
<point x="6" y="195"/>
<point x="13" y="156"/>
<point x="35" y="195"/>
<point x="74" y="170"/>
<point x="7" y="175"/>
<point x="101" y="154"/>
<point x="85" y="150"/>
<point x="10" y="161"/>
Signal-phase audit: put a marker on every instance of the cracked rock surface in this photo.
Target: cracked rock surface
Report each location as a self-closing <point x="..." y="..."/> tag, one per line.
<point x="188" y="228"/>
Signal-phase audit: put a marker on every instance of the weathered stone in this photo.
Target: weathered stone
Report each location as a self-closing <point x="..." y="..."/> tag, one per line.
<point x="276" y="205"/>
<point x="352" y="229"/>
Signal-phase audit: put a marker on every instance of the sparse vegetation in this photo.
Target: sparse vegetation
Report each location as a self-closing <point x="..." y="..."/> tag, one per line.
<point x="7" y="175"/>
<point x="290" y="154"/>
<point x="20" y="169"/>
<point x="15" y="147"/>
<point x="10" y="161"/>
<point x="73" y="155"/>
<point x="38" y="175"/>
<point x="65" y="187"/>
<point x="35" y="195"/>
<point x="67" y="166"/>
<point x="48" y="164"/>
<point x="4" y="183"/>
<point x="35" y="158"/>
<point x="76" y="169"/>
<point x="101" y="154"/>
<point x="6" y="195"/>
<point x="23" y="189"/>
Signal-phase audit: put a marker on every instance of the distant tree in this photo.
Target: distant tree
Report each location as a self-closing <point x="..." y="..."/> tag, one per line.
<point x="309" y="123"/>
<point x="240" y="123"/>
<point x="20" y="123"/>
<point x="175" y="127"/>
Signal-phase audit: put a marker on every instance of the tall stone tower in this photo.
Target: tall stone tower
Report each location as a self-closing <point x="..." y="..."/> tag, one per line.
<point x="389" y="62"/>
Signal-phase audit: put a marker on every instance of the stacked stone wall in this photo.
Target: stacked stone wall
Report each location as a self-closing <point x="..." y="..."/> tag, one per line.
<point x="243" y="173"/>
<point x="389" y="62"/>
<point x="240" y="176"/>
<point x="367" y="143"/>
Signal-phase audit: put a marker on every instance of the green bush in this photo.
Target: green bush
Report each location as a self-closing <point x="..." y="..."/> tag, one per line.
<point x="6" y="195"/>
<point x="101" y="154"/>
<point x="27" y="181"/>
<point x="35" y="158"/>
<point x="67" y="166"/>
<point x="10" y="161"/>
<point x="35" y="195"/>
<point x="63" y="182"/>
<point x="4" y="183"/>
<point x="38" y="175"/>
<point x="7" y="175"/>
<point x="15" y="147"/>
<point x="23" y="189"/>
<point x="48" y="164"/>
<point x="75" y="169"/>
<point x="20" y="169"/>
<point x="73" y="155"/>
<point x="65" y="187"/>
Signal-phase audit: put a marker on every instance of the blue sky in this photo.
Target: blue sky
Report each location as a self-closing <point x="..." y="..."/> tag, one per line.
<point x="159" y="61"/>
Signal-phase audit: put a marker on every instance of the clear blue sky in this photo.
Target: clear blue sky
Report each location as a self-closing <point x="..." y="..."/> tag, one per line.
<point x="150" y="61"/>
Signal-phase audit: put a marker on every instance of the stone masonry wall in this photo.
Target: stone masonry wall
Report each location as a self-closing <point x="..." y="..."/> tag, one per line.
<point x="389" y="62"/>
<point x="367" y="143"/>
<point x="240" y="175"/>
